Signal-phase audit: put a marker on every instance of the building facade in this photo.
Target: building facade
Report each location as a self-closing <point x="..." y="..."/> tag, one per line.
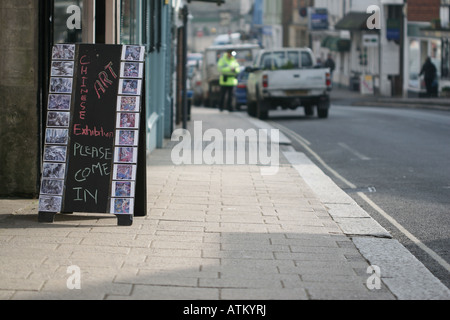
<point x="427" y="35"/>
<point x="27" y="36"/>
<point x="296" y="32"/>
<point x="386" y="58"/>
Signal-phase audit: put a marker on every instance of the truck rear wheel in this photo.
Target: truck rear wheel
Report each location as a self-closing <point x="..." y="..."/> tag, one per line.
<point x="262" y="111"/>
<point x="323" y="106"/>
<point x="251" y="109"/>
<point x="263" y="115"/>
<point x="322" y="113"/>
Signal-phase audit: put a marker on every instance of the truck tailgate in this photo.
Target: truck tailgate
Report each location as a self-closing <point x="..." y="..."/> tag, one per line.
<point x="298" y="81"/>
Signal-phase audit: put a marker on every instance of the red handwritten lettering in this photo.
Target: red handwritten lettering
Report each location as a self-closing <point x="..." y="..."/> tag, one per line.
<point x="84" y="62"/>
<point x="92" y="132"/>
<point x="98" y="86"/>
<point x="103" y="76"/>
<point x="109" y="67"/>
<point x="83" y="82"/>
<point x="84" y="70"/>
<point x="104" y="80"/>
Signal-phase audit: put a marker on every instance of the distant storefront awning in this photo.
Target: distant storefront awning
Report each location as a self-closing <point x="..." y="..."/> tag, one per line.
<point x="336" y="44"/>
<point x="418" y="30"/>
<point x="353" y="21"/>
<point x="433" y="33"/>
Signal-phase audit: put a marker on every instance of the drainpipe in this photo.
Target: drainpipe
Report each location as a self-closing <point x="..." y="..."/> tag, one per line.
<point x="168" y="56"/>
<point x="160" y="56"/>
<point x="185" y="13"/>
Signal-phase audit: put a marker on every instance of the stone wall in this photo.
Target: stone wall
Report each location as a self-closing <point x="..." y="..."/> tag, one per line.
<point x="19" y="123"/>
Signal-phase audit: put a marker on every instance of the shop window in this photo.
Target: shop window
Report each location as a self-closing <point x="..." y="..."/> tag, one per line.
<point x="445" y="58"/>
<point x="436" y="54"/>
<point x="414" y="64"/>
<point x="67" y="21"/>
<point x="129" y="21"/>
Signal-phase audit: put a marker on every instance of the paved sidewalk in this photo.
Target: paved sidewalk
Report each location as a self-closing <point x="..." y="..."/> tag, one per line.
<point x="213" y="232"/>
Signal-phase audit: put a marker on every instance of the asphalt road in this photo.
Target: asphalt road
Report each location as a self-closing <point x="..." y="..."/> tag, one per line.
<point x="394" y="162"/>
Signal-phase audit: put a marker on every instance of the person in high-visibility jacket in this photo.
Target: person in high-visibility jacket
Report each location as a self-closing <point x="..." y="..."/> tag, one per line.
<point x="229" y="69"/>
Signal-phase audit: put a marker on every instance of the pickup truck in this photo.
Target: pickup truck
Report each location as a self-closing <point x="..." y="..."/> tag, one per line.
<point x="287" y="78"/>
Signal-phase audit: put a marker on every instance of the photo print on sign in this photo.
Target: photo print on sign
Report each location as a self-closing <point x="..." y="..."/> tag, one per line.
<point x="58" y="119"/>
<point x="131" y="70"/>
<point x="52" y="187"/>
<point x="63" y="52"/>
<point x="62" y="68"/>
<point x="55" y="153"/>
<point x="125" y="154"/>
<point x="122" y="206"/>
<point x="130" y="86"/>
<point x="50" y="204"/>
<point x="128" y="120"/>
<point x="59" y="102"/>
<point x="56" y="136"/>
<point x="133" y="53"/>
<point x="124" y="172"/>
<point x="53" y="170"/>
<point x="131" y="104"/>
<point x="127" y="138"/>
<point x="61" y="85"/>
<point x="123" y="189"/>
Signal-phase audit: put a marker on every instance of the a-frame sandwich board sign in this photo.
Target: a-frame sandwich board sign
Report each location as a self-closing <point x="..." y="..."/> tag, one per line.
<point x="94" y="158"/>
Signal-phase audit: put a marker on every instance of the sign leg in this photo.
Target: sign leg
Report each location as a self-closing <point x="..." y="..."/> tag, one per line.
<point x="46" y="217"/>
<point x="140" y="203"/>
<point x="125" y="220"/>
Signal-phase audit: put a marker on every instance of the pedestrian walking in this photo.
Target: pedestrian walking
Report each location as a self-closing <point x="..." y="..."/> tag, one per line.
<point x="430" y="74"/>
<point x="228" y="69"/>
<point x="329" y="63"/>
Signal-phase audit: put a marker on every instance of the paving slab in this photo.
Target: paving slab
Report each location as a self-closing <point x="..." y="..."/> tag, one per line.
<point x="212" y="232"/>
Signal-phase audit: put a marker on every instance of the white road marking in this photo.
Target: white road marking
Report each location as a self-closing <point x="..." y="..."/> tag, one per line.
<point x="354" y="152"/>
<point x="292" y="133"/>
<point x="315" y="155"/>
<point x="397" y="225"/>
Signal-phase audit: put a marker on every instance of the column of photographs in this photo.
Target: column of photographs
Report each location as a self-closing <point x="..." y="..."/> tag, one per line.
<point x="57" y="128"/>
<point x="127" y="130"/>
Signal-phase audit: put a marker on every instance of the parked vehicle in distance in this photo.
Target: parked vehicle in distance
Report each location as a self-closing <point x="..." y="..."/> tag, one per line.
<point x="228" y="38"/>
<point x="196" y="86"/>
<point x="245" y="54"/>
<point x="194" y="58"/>
<point x="287" y="78"/>
<point x="240" y="92"/>
<point x="193" y="69"/>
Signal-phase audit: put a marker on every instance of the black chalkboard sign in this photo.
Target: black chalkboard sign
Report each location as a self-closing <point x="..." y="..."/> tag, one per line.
<point x="95" y="133"/>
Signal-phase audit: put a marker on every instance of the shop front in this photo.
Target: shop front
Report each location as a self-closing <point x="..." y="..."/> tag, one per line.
<point x="424" y="42"/>
<point x="139" y="22"/>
